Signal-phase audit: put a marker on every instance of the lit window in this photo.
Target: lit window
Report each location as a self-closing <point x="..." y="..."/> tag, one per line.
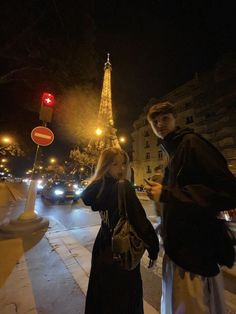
<point x="160" y="154"/>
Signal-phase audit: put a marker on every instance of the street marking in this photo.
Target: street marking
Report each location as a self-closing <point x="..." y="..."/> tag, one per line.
<point x="78" y="260"/>
<point x="48" y="137"/>
<point x="15" y="193"/>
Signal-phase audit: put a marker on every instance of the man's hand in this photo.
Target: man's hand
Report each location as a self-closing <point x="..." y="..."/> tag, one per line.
<point x="153" y="190"/>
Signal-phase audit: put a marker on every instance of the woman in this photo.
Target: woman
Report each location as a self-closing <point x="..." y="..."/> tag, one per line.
<point x="112" y="289"/>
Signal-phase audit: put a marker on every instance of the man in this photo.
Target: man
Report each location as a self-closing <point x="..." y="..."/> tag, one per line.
<point x="197" y="185"/>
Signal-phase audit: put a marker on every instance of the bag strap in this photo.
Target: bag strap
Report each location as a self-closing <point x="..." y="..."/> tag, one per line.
<point x="122" y="199"/>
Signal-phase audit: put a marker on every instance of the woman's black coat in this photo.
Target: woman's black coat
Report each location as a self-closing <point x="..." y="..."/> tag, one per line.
<point x="111" y="289"/>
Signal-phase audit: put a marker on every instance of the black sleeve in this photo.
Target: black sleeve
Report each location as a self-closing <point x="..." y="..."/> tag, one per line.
<point x="217" y="189"/>
<point x="139" y="221"/>
<point x="90" y="194"/>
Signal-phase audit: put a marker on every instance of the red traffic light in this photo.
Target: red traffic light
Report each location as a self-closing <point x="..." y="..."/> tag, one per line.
<point x="48" y="100"/>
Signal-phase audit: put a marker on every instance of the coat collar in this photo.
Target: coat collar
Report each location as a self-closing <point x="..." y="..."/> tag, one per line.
<point x="173" y="139"/>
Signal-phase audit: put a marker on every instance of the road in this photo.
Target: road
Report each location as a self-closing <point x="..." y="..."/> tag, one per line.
<point x="78" y="218"/>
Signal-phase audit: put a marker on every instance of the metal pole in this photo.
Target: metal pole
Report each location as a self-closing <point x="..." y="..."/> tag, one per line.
<point x="29" y="212"/>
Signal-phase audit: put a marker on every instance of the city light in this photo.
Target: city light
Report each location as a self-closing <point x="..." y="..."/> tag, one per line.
<point x="6" y="140"/>
<point x="122" y="139"/>
<point x="98" y="131"/>
<point x="52" y="160"/>
<point x="4" y="160"/>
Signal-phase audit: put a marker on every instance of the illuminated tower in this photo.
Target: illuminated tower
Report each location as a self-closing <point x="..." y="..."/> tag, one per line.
<point x="105" y="131"/>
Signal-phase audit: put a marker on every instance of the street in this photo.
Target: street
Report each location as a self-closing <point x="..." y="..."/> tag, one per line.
<point x="76" y="223"/>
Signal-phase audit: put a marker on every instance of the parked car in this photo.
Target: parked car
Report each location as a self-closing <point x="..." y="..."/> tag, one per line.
<point x="61" y="191"/>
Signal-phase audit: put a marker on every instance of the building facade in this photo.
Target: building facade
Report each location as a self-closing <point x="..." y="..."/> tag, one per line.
<point x="207" y="104"/>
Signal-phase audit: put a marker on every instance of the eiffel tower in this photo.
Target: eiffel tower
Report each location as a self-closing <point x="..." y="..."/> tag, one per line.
<point x="105" y="131"/>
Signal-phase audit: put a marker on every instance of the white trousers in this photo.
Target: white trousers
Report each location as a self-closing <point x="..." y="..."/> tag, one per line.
<point x="187" y="293"/>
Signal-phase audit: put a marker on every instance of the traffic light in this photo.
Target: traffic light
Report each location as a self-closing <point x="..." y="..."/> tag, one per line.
<point x="47" y="104"/>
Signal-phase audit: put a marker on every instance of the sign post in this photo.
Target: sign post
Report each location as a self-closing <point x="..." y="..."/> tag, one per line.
<point x="42" y="136"/>
<point x="29" y="221"/>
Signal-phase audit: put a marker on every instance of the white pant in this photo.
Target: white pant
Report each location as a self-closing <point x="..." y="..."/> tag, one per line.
<point x="187" y="293"/>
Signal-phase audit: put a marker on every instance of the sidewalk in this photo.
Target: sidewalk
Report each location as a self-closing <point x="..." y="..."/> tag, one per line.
<point x="49" y="273"/>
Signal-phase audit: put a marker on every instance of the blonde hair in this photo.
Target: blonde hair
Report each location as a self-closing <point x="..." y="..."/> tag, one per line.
<point x="105" y="160"/>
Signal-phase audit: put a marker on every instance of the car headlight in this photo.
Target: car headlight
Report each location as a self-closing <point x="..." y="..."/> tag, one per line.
<point x="40" y="186"/>
<point x="79" y="191"/>
<point x="59" y="192"/>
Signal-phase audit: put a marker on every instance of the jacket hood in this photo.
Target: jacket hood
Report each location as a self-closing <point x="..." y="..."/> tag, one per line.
<point x="172" y="140"/>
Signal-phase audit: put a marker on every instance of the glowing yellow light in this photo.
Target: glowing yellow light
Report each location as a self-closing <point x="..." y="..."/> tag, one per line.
<point x="6" y="140"/>
<point x="98" y="131"/>
<point x="52" y="160"/>
<point x="122" y="139"/>
<point x="82" y="168"/>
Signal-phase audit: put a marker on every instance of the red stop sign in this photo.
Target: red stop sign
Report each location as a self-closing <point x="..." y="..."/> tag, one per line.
<point x="42" y="136"/>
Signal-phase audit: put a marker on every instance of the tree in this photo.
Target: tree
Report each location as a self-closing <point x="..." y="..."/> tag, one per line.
<point x="11" y="149"/>
<point x="85" y="159"/>
<point x="56" y="171"/>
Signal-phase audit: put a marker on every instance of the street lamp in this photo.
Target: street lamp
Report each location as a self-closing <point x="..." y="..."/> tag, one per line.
<point x="6" y="140"/>
<point x="52" y="160"/>
<point x="122" y="139"/>
<point x="98" y="131"/>
<point x="4" y="160"/>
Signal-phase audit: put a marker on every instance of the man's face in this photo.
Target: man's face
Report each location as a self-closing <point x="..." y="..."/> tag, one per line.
<point x="163" y="124"/>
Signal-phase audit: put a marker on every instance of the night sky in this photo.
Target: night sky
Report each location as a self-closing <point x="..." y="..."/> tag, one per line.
<point x="61" y="46"/>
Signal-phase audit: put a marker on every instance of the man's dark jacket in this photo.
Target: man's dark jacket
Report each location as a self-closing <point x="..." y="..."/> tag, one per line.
<point x="197" y="186"/>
